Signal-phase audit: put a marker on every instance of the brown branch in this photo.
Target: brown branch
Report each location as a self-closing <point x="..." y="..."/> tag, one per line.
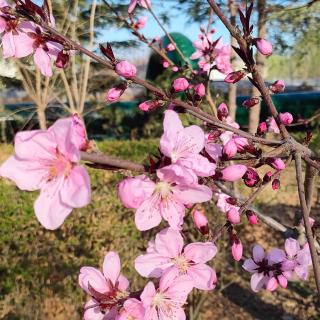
<point x="305" y="214"/>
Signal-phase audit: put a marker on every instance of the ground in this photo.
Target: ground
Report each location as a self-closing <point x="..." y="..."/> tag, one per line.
<point x="39" y="268"/>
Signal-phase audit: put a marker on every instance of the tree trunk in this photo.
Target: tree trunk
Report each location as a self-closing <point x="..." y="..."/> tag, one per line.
<point x="42" y="117"/>
<point x="232" y="94"/>
<point x="254" y="113"/>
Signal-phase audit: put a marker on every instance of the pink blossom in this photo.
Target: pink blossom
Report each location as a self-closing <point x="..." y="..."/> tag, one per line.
<point x="273" y="127"/>
<point x="297" y="260"/>
<point x="266" y="269"/>
<point x="233" y="215"/>
<point x="183" y="145"/>
<point x="48" y="161"/>
<point x="213" y="149"/>
<point x="171" y="47"/>
<point x="105" y="288"/>
<point x="224" y="203"/>
<point x="236" y="247"/>
<point x="262" y="128"/>
<point x="252" y="217"/>
<point x="140" y="24"/>
<point x="235" y="76"/>
<point x="230" y="149"/>
<point x="249" y="103"/>
<point x="114" y="94"/>
<point x="177" y="187"/>
<point x="125" y="69"/>
<point x="251" y="178"/>
<point x="132" y="309"/>
<point x="166" y="303"/>
<point x="277" y="87"/>
<point x="264" y="46"/>
<point x="201" y="221"/>
<point x="168" y="255"/>
<point x="149" y="105"/>
<point x="200" y="90"/>
<point x="233" y="172"/>
<point x="277" y="164"/>
<point x="180" y="84"/>
<point x="143" y="3"/>
<point x="286" y="118"/>
<point x="44" y="50"/>
<point x="165" y="64"/>
<point x="175" y="69"/>
<point x="133" y="191"/>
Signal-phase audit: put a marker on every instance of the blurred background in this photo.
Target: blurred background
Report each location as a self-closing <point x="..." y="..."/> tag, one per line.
<point x="38" y="268"/>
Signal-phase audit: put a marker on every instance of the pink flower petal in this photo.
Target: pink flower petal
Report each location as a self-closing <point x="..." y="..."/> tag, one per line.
<point x="258" y="280"/>
<point x="152" y="265"/>
<point x="43" y="62"/>
<point x="203" y="276"/>
<point x="292" y="247"/>
<point x="258" y="253"/>
<point x="200" y="252"/>
<point x="92" y="313"/>
<point x="93" y="277"/>
<point x="112" y="266"/>
<point x="169" y="243"/>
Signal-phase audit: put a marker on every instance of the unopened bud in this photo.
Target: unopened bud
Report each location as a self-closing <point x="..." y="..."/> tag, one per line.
<point x="275" y="184"/>
<point x="249" y="103"/>
<point x="63" y="59"/>
<point x="201" y="221"/>
<point x="223" y="111"/>
<point x="251" y="216"/>
<point x="267" y="177"/>
<point x="235" y="76"/>
<point x="233" y="216"/>
<point x="262" y="128"/>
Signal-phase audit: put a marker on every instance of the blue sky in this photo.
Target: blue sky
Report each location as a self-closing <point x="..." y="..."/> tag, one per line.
<point x="178" y="23"/>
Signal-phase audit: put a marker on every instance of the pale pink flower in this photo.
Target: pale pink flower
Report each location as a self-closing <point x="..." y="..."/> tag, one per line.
<point x="200" y="90"/>
<point x="44" y="50"/>
<point x="133" y="191"/>
<point x="177" y="187"/>
<point x="264" y="46"/>
<point x="266" y="269"/>
<point x="183" y="145"/>
<point x="171" y="47"/>
<point x="180" y="84"/>
<point x="297" y="260"/>
<point x="272" y="125"/>
<point x="140" y="24"/>
<point x="233" y="172"/>
<point x="166" y="302"/>
<point x="169" y="255"/>
<point x="286" y="118"/>
<point x="125" y="69"/>
<point x="143" y="3"/>
<point x="48" y="161"/>
<point x="277" y="87"/>
<point x="105" y="288"/>
<point x="132" y="310"/>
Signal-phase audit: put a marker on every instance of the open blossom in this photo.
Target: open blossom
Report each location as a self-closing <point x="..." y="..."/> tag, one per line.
<point x="143" y="3"/>
<point x="266" y="269"/>
<point x="175" y="189"/>
<point x="297" y="260"/>
<point x="47" y="160"/>
<point x="125" y="69"/>
<point x="183" y="145"/>
<point x="168" y="254"/>
<point x="105" y="288"/>
<point x="132" y="310"/>
<point x="166" y="302"/>
<point x="212" y="53"/>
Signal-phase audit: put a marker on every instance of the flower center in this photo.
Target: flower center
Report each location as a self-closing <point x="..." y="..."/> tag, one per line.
<point x="158" y="299"/>
<point x="163" y="188"/>
<point x="59" y="166"/>
<point x="181" y="263"/>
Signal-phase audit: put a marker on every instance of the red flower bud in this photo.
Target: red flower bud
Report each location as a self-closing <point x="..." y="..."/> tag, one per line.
<point x="251" y="178"/>
<point x="267" y="177"/>
<point x="275" y="184"/>
<point x="277" y="87"/>
<point x="235" y="76"/>
<point x="251" y="216"/>
<point x="249" y="103"/>
<point x="223" y="111"/>
<point x="62" y="59"/>
<point x="262" y="129"/>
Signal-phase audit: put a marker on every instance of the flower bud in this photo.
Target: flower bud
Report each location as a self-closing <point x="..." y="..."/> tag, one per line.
<point x="275" y="184"/>
<point x="267" y="177"/>
<point x="201" y="221"/>
<point x="165" y="64"/>
<point x="232" y="201"/>
<point x="285" y="118"/>
<point x="133" y="191"/>
<point x="251" y="216"/>
<point x="277" y="87"/>
<point x="276" y="163"/>
<point x="241" y="143"/>
<point x="180" y="84"/>
<point x="125" y="69"/>
<point x="140" y="24"/>
<point x="264" y="46"/>
<point x="63" y="59"/>
<point x="175" y="69"/>
<point x="233" y="172"/>
<point x="251" y="178"/>
<point x="235" y="76"/>
<point x="233" y="216"/>
<point x="170" y="47"/>
<point x="114" y="94"/>
<point x="223" y="111"/>
<point x="200" y="90"/>
<point x="236" y="247"/>
<point x="149" y="105"/>
<point x="230" y="149"/>
<point x="262" y="128"/>
<point x="273" y="125"/>
<point x="249" y="103"/>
